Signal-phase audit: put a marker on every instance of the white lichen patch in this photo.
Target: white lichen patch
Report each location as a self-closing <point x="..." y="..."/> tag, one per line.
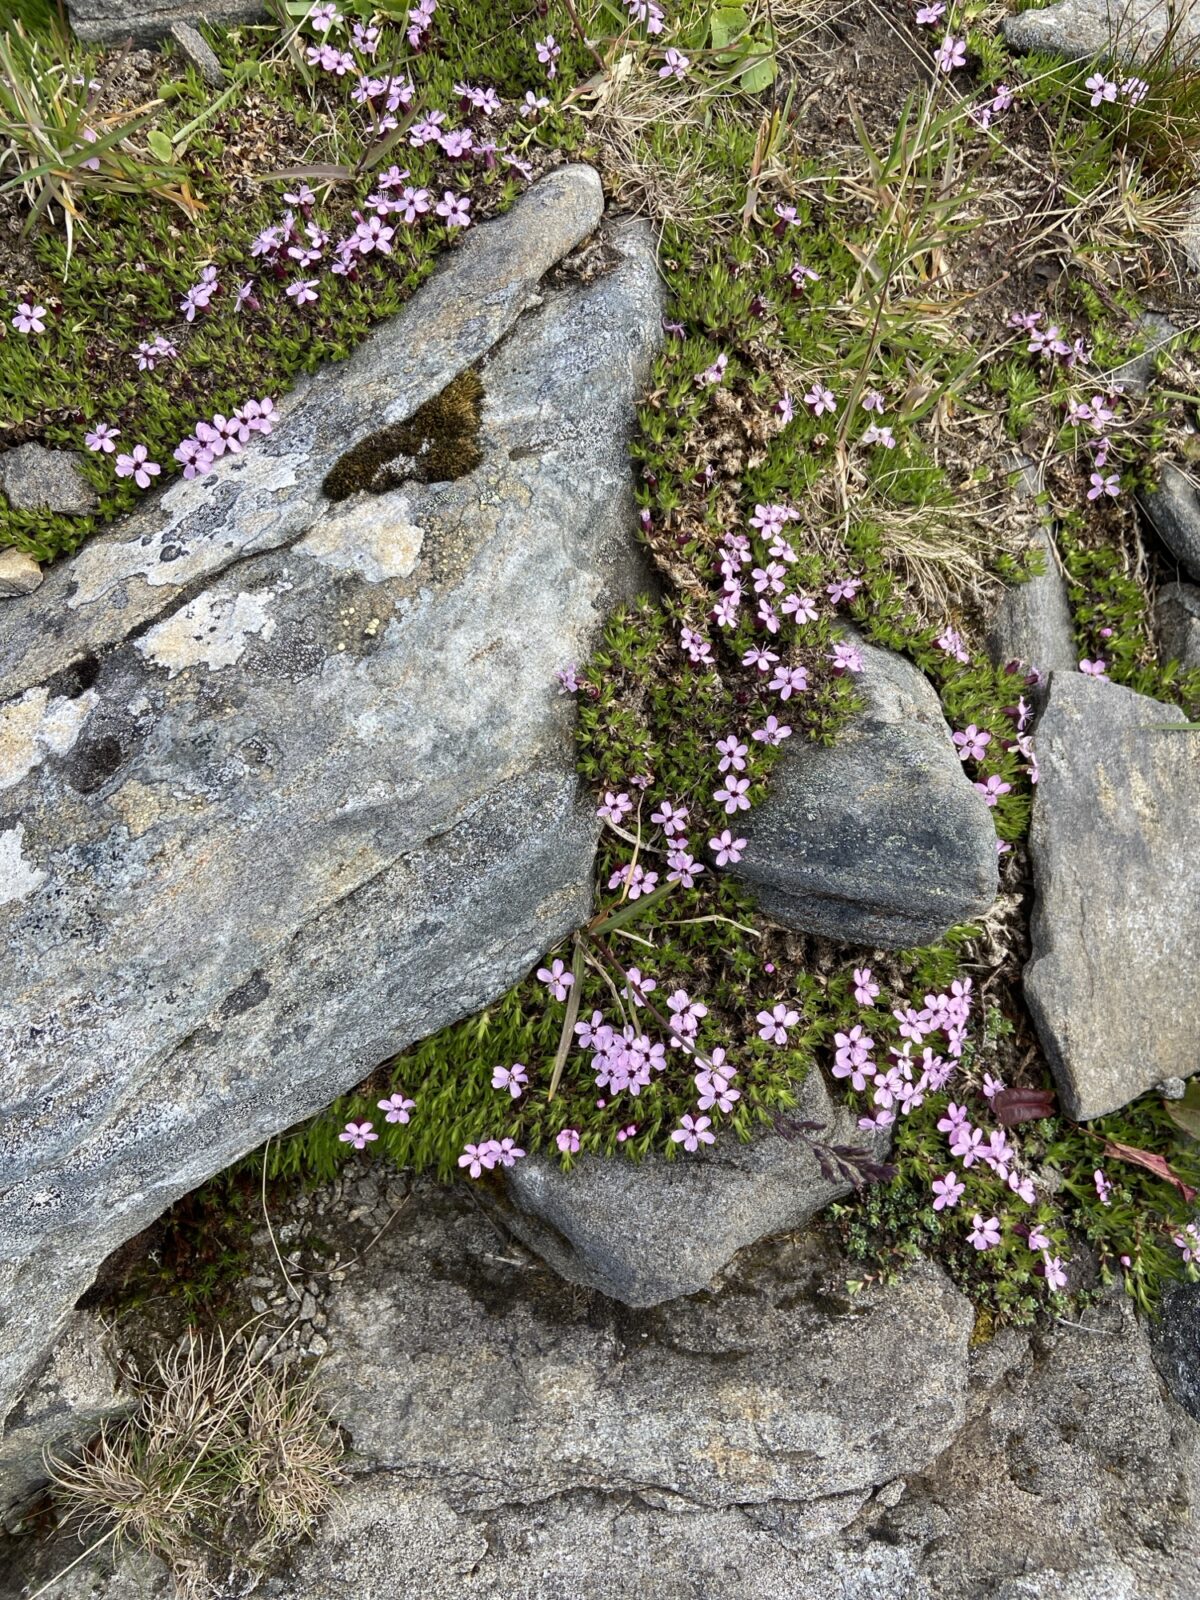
<point x="34" y="726"/>
<point x="18" y="877"/>
<point x="370" y="535"/>
<point x="258" y="520"/>
<point x="211" y="631"/>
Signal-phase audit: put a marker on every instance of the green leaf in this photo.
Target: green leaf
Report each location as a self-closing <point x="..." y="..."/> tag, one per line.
<point x="160" y="144"/>
<point x="726" y="24"/>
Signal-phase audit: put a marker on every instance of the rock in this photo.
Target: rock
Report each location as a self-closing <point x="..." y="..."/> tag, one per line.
<point x="774" y="1439"/>
<point x="1137" y="374"/>
<point x="74" y="1393"/>
<point x="1081" y="29"/>
<point x="1176" y="1337"/>
<point x="1177" y="614"/>
<point x="286" y="782"/>
<point x="1174" y="512"/>
<point x="106" y="21"/>
<point x="1032" y="622"/>
<point x="197" y="52"/>
<point x="1115" y="850"/>
<point x="881" y="839"/>
<point x="648" y="1231"/>
<point x="33" y="478"/>
<point x="19" y="574"/>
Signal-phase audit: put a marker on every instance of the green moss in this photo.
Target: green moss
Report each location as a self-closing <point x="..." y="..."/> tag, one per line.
<point x="439" y="442"/>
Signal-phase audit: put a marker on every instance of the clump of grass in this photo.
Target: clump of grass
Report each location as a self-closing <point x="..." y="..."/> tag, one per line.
<point x="223" y="1453"/>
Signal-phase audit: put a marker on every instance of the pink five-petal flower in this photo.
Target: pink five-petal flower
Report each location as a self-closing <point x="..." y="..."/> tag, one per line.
<point x="397" y="1107"/>
<point x="692" y="1132"/>
<point x="985" y="1232"/>
<point x="358" y="1134"/>
<point x="557" y="979"/>
<point x="567" y="1141"/>
<point x="949" y="1191"/>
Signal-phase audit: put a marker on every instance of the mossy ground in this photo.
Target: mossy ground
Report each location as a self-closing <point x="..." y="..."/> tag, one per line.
<point x="916" y="234"/>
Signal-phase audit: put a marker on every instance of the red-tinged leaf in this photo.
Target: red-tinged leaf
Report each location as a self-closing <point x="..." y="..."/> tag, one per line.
<point x="1023" y="1105"/>
<point x="1159" y="1165"/>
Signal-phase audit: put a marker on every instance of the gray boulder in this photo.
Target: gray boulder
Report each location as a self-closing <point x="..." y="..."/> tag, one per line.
<point x="285" y="781"/>
<point x="34" y="478"/>
<point x="1032" y="621"/>
<point x="1115" y="850"/>
<point x="1173" y="508"/>
<point x="648" y="1231"/>
<point x="1081" y="29"/>
<point x="880" y="839"/>
<point x="775" y="1438"/>
<point x="198" y="53"/>
<point x="1177" y="614"/>
<point x="107" y="21"/>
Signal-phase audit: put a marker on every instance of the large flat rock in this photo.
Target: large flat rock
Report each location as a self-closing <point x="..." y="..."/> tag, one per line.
<point x="1115" y="847"/>
<point x="286" y="784"/>
<point x="108" y="21"/>
<point x="648" y="1231"/>
<point x="879" y="839"/>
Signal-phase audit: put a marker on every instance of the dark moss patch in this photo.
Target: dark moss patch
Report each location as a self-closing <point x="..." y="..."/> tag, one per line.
<point x="438" y="443"/>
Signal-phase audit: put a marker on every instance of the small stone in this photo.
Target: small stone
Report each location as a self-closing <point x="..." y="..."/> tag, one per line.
<point x="892" y="1493"/>
<point x="1171" y="1088"/>
<point x="258" y="1304"/>
<point x="1083" y="29"/>
<point x="19" y="574"/>
<point x="1032" y="621"/>
<point x="318" y="1345"/>
<point x="1115" y="850"/>
<point x="196" y="49"/>
<point x="651" y="1230"/>
<point x="1174" y="512"/>
<point x="1177" y="614"/>
<point x="34" y="478"/>
<point x="308" y="1308"/>
<point x="879" y="839"/>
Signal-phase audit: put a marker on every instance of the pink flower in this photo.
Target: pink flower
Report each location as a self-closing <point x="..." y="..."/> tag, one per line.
<point x="714" y="375"/>
<point x="772" y="731"/>
<point x="992" y="1086"/>
<point x="927" y="15"/>
<point x="454" y="209"/>
<point x="820" y="399"/>
<point x="101" y="438"/>
<point x="733" y="795"/>
<point x="846" y="657"/>
<point x="692" y="1132"/>
<point x="789" y="681"/>
<point x="513" y="1078"/>
<point x="303" y="291"/>
<point x="949" y="1191"/>
<point x="557" y="979"/>
<point x="675" y="65"/>
<point x="138" y="466"/>
<point x="843" y="589"/>
<point x="728" y="849"/>
<point x="993" y="789"/>
<point x="1102" y="485"/>
<point x="865" y="988"/>
<point x="951" y="641"/>
<point x="506" y="1151"/>
<point x="774" y="1024"/>
<point x="984" y="1234"/>
<point x="568" y="1141"/>
<point x="359" y="1134"/>
<point x="972" y="743"/>
<point x="1093" y="669"/>
<point x="1038" y="1238"/>
<point x="1052" y="1266"/>
<point x="733" y="757"/>
<point x="951" y="53"/>
<point x="1103" y="1187"/>
<point x="29" y="318"/>
<point x="479" y="1158"/>
<point x="615" y="806"/>
<point x="1101" y="88"/>
<point x="396" y="1107"/>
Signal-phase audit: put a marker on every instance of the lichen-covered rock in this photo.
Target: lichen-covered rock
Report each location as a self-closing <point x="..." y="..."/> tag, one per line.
<point x="1115" y="847"/>
<point x="33" y="478"/>
<point x="1173" y="508"/>
<point x="881" y="839"/>
<point x="286" y="783"/>
<point x="1177" y="614"/>
<point x="105" y="21"/>
<point x="19" y="574"/>
<point x="648" y="1231"/>
<point x="1081" y="29"/>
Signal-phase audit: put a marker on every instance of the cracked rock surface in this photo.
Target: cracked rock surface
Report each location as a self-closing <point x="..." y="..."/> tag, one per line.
<point x="285" y="784"/>
<point x="773" y="1438"/>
